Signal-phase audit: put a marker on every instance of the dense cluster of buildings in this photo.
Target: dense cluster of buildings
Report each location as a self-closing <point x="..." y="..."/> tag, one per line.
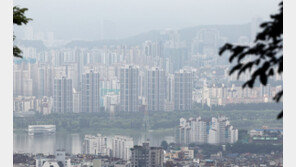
<point x="220" y="159"/>
<point x="146" y="156"/>
<point x="266" y="135"/>
<point x="154" y="75"/>
<point x="131" y="90"/>
<point x="167" y="74"/>
<point x="138" y="156"/>
<point x="122" y="87"/>
<point x="234" y="94"/>
<point x="115" y="146"/>
<point x="202" y="131"/>
<point x="61" y="159"/>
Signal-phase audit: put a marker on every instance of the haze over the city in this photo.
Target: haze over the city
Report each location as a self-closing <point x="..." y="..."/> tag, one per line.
<point x="138" y="83"/>
<point x="114" y="19"/>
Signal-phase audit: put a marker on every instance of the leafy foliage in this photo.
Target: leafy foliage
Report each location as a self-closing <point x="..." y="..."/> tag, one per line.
<point x="161" y="123"/>
<point x="239" y="148"/>
<point x="241" y="106"/>
<point x="19" y="19"/>
<point x="266" y="54"/>
<point x="164" y="145"/>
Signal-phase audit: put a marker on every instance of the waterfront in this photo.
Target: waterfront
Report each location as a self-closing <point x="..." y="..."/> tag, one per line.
<point x="72" y="143"/>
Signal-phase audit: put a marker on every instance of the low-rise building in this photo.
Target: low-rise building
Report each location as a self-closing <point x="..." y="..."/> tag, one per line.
<point x="145" y="156"/>
<point x="41" y="129"/>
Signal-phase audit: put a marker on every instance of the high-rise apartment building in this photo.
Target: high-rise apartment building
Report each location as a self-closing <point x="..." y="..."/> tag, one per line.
<point x="129" y="88"/>
<point x="76" y="101"/>
<point x="25" y="77"/>
<point x="115" y="146"/>
<point x="201" y="132"/>
<point x="213" y="131"/>
<point x="143" y="82"/>
<point x="221" y="131"/>
<point x="232" y="136"/>
<point x="121" y="146"/>
<point x="62" y="95"/>
<point x="99" y="145"/>
<point x="198" y="130"/>
<point x="90" y="92"/>
<point x="183" y="136"/>
<point x="183" y="91"/>
<point x="91" y="144"/>
<point x="169" y="95"/>
<point x="45" y="80"/>
<point x="156" y="84"/>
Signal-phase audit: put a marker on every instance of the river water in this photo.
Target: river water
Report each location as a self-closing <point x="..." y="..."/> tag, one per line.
<point x="72" y="143"/>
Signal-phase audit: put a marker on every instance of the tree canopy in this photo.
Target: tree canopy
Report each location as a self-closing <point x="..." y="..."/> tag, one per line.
<point x="19" y="19"/>
<point x="164" y="145"/>
<point x="264" y="57"/>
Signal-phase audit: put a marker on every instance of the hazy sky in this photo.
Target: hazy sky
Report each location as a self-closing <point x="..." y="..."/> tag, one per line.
<point x="84" y="19"/>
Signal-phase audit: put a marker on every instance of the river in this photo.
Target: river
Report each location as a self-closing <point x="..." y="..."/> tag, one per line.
<point x="72" y="143"/>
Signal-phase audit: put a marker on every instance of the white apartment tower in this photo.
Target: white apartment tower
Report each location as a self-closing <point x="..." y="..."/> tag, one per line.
<point x="169" y="94"/>
<point x="90" y="92"/>
<point x="232" y="134"/>
<point x="213" y="131"/>
<point x="198" y="130"/>
<point x="156" y="84"/>
<point x="113" y="146"/>
<point x="45" y="84"/>
<point x="121" y="146"/>
<point x="76" y="101"/>
<point x="184" y="132"/>
<point x="25" y="79"/>
<point x="129" y="88"/>
<point x="62" y="95"/>
<point x="183" y="86"/>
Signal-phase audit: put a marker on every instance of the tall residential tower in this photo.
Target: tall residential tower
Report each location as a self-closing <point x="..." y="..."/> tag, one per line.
<point x="90" y="92"/>
<point x="129" y="88"/>
<point x="62" y="95"/>
<point x="183" y="86"/>
<point x="156" y="88"/>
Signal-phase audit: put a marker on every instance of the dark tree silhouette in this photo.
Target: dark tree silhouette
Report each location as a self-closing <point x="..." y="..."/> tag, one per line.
<point x="19" y="19"/>
<point x="164" y="145"/>
<point x="265" y="55"/>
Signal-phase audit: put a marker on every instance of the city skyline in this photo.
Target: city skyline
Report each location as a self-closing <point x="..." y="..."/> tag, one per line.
<point x="155" y="75"/>
<point x="144" y="84"/>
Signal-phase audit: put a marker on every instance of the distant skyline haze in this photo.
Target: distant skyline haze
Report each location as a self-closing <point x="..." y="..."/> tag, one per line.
<point x="114" y="19"/>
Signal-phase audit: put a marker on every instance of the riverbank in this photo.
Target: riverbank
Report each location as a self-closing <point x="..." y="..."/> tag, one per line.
<point x="134" y="123"/>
